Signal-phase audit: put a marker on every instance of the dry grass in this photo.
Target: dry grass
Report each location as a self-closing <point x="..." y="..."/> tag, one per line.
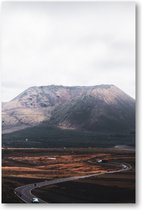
<point x="49" y="165"/>
<point x="33" y="165"/>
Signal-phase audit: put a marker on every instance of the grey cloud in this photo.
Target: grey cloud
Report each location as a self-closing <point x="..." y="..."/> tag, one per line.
<point x="67" y="43"/>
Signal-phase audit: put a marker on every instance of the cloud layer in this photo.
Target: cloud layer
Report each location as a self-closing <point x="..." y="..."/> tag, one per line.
<point x="67" y="43"/>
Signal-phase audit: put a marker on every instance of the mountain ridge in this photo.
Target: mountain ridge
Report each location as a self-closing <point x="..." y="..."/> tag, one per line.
<point x="71" y="107"/>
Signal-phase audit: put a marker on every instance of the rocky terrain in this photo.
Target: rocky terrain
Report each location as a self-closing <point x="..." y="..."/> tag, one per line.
<point x="101" y="108"/>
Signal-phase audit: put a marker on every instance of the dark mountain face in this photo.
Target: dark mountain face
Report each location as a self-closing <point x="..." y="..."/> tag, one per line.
<point x="102" y="108"/>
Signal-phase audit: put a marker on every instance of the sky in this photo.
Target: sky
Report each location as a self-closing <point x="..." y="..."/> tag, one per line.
<point x="67" y="43"/>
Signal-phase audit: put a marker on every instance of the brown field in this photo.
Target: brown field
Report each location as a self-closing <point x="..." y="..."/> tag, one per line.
<point x="24" y="166"/>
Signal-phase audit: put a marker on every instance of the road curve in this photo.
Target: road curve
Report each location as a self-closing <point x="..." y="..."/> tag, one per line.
<point x="24" y="192"/>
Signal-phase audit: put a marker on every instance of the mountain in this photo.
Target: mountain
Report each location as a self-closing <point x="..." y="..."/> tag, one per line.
<point x="35" y="105"/>
<point x="101" y="108"/>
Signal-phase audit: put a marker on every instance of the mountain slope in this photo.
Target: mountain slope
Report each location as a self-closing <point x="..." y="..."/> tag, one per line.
<point x="35" y="105"/>
<point x="102" y="108"/>
<point x="43" y="136"/>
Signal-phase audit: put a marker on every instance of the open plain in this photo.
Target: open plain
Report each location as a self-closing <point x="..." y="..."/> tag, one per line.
<point x="26" y="166"/>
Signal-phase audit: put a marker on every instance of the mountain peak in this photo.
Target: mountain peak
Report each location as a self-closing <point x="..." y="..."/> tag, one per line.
<point x="93" y="108"/>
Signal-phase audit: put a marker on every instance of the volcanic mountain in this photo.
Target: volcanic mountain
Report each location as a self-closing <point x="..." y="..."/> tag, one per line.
<point x="101" y="108"/>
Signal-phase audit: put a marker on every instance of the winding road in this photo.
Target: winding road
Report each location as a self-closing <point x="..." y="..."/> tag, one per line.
<point x="25" y="194"/>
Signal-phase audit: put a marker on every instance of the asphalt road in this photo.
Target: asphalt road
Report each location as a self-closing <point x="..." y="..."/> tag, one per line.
<point x="24" y="192"/>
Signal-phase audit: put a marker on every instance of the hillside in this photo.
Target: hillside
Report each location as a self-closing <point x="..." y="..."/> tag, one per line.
<point x="101" y="108"/>
<point x="43" y="136"/>
<point x="35" y="105"/>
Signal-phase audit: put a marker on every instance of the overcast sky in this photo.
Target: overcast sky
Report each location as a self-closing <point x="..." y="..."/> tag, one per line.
<point x="64" y="43"/>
